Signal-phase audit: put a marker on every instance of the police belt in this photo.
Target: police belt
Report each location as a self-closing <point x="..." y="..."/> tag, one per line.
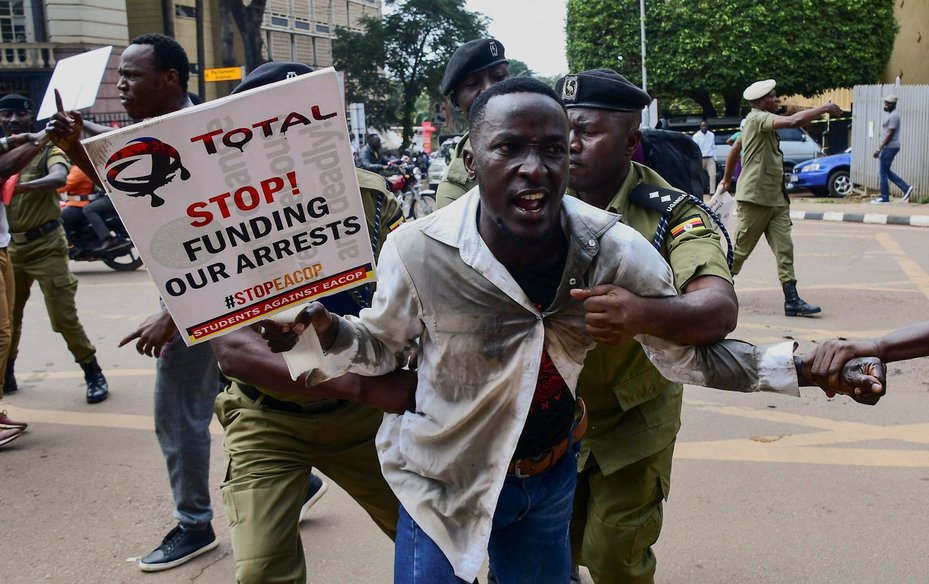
<point x="34" y="234"/>
<point x="314" y="407"/>
<point x="527" y="467"/>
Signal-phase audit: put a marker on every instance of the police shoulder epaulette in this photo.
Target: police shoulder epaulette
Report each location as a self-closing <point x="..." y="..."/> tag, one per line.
<point x="661" y="199"/>
<point x="371" y="180"/>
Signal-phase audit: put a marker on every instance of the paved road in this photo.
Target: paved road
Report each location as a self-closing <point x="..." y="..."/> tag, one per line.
<point x="767" y="489"/>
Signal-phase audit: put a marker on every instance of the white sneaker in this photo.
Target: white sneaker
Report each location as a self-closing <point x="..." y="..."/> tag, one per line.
<point x="880" y="202"/>
<point x="906" y="195"/>
<point x="315" y="489"/>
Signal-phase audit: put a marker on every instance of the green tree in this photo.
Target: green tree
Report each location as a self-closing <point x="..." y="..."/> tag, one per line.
<point x="518" y="68"/>
<point x="697" y="48"/>
<point x="404" y="54"/>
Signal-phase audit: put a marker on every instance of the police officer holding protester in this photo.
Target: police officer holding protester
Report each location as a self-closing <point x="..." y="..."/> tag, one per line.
<point x="474" y="66"/>
<point x="39" y="250"/>
<point x="625" y="462"/>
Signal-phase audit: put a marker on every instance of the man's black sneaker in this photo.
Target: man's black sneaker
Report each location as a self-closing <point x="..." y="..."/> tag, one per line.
<point x="179" y="546"/>
<point x="315" y="489"/>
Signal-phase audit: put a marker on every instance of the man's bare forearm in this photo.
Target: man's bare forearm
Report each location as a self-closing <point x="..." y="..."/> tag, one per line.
<point x="16" y="159"/>
<point x="704" y="314"/>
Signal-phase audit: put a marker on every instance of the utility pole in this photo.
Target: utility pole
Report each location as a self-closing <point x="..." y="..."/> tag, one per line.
<point x="646" y="115"/>
<point x="201" y="65"/>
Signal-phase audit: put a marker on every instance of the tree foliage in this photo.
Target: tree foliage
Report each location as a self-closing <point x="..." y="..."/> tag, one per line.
<point x="403" y="54"/>
<point x="696" y="48"/>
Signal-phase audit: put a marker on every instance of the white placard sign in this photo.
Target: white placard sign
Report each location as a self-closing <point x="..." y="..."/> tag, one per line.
<point x="77" y="79"/>
<point x="244" y="206"/>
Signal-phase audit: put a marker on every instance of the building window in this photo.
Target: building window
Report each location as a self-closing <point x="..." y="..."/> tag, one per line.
<point x="12" y="22"/>
<point x="182" y="11"/>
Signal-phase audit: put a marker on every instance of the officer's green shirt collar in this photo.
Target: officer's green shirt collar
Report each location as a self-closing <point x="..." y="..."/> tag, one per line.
<point x="619" y="203"/>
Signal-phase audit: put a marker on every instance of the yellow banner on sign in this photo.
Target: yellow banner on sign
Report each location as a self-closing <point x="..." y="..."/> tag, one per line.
<point x="222" y="74"/>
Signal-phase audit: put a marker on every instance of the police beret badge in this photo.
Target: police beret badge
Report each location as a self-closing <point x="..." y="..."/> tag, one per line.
<point x="569" y="91"/>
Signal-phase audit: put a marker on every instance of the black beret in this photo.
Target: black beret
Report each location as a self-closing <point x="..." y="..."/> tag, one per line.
<point x="271" y="73"/>
<point x="601" y="89"/>
<point x="471" y="57"/>
<point x="15" y="101"/>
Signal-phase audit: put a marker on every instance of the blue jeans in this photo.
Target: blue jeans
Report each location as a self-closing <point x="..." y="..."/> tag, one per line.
<point x="186" y="384"/>
<point x="529" y="543"/>
<point x="886" y="159"/>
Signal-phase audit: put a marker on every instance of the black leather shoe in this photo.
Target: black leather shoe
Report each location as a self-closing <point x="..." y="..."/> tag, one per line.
<point x="794" y="305"/>
<point x="97" y="388"/>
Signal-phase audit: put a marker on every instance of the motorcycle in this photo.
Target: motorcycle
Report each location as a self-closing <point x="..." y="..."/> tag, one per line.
<point x="404" y="178"/>
<point x="83" y="241"/>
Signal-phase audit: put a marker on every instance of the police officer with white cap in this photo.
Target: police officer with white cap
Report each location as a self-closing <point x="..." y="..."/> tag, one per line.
<point x="762" y="204"/>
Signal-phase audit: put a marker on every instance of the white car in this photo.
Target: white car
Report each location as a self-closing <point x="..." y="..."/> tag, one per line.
<point x="437" y="168"/>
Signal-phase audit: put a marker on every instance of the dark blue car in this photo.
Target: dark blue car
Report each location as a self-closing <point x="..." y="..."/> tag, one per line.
<point x="829" y="175"/>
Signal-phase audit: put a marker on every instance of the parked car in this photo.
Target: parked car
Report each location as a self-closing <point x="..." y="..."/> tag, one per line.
<point x="440" y="159"/>
<point x="436" y="171"/>
<point x="828" y="175"/>
<point x="796" y="144"/>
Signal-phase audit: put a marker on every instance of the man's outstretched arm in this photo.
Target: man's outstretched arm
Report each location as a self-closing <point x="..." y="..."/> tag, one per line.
<point x="243" y="355"/>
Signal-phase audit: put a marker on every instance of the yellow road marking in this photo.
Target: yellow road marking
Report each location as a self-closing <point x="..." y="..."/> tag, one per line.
<point x="810" y="447"/>
<point x="78" y="374"/>
<point x="916" y="274"/>
<point x="94" y="420"/>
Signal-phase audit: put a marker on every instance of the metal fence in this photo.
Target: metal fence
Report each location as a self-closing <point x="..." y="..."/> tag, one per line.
<point x="912" y="164"/>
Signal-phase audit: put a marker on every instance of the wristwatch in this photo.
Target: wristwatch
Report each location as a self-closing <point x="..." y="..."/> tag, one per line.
<point x="5" y="144"/>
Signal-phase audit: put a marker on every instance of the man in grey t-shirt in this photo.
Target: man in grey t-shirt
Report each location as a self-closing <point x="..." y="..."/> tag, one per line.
<point x="890" y="146"/>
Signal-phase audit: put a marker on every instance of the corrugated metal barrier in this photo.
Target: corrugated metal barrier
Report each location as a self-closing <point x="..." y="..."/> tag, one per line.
<point x="912" y="163"/>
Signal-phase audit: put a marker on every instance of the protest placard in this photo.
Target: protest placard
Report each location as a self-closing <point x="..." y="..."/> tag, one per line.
<point x="244" y="206"/>
<point x="77" y="79"/>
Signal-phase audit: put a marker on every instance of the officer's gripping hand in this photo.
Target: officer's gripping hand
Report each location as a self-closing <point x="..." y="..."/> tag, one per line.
<point x="614" y="314"/>
<point x="829" y="358"/>
<point x="283" y="337"/>
<point x="864" y="379"/>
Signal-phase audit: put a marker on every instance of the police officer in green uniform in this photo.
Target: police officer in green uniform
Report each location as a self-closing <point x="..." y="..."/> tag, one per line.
<point x="475" y="66"/>
<point x="625" y="462"/>
<point x="39" y="250"/>
<point x="277" y="429"/>
<point x="762" y="203"/>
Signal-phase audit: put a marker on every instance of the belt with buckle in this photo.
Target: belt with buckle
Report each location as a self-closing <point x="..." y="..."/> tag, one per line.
<point x="34" y="234"/>
<point x="527" y="467"/>
<point x="315" y="407"/>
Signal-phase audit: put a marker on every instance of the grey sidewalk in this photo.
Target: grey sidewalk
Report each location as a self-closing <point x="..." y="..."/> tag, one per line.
<point x="858" y="210"/>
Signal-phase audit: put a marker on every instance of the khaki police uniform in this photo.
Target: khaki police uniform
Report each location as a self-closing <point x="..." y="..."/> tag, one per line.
<point x="762" y="204"/>
<point x="625" y="461"/>
<point x="274" y="439"/>
<point x="39" y="252"/>
<point x="455" y="183"/>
